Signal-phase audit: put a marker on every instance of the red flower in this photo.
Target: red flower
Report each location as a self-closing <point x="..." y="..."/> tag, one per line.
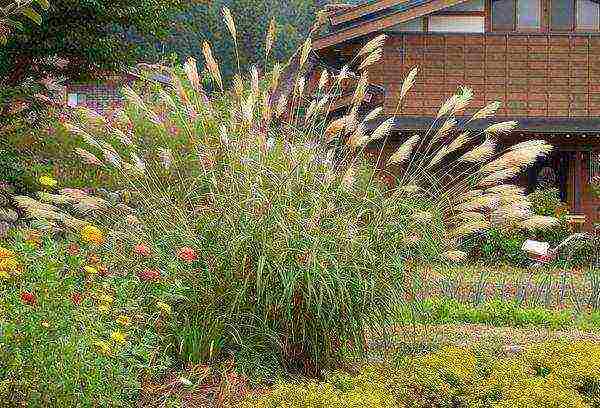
<point x="76" y="298"/>
<point x="149" y="275"/>
<point x="142" y="250"/>
<point x="187" y="254"/>
<point x="28" y="298"/>
<point x="73" y="249"/>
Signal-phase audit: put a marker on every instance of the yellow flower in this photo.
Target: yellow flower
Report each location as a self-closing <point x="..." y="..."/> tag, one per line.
<point x="45" y="324"/>
<point x="48" y="181"/>
<point x="104" y="298"/>
<point x="104" y="308"/>
<point x="118" y="337"/>
<point x="6" y="253"/>
<point x="4" y="274"/>
<point x="124" y="320"/>
<point x="8" y="264"/>
<point x="92" y="235"/>
<point x="164" y="307"/>
<point x="102" y="347"/>
<point x="90" y="269"/>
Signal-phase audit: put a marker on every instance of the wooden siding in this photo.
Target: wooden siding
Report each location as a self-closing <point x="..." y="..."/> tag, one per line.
<point x="535" y="75"/>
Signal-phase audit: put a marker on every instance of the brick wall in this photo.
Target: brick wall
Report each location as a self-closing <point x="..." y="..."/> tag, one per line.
<point x="533" y="75"/>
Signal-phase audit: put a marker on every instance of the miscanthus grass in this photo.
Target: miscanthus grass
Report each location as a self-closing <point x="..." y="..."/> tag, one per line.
<point x="300" y="241"/>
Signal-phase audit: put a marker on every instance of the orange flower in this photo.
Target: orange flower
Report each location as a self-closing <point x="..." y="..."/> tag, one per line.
<point x="187" y="254"/>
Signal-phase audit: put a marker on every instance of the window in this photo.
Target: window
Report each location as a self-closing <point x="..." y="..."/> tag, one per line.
<point x="569" y="15"/>
<point x="529" y="15"/>
<point x="503" y="17"/>
<point x="457" y="24"/>
<point x="562" y="15"/>
<point x="72" y="100"/>
<point x="516" y="15"/>
<point x="588" y="15"/>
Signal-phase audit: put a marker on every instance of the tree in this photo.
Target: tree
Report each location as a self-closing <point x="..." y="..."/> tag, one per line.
<point x="87" y="35"/>
<point x="204" y="22"/>
<point x="9" y="15"/>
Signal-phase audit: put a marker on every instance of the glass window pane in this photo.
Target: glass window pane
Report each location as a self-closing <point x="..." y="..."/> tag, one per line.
<point x="503" y="18"/>
<point x="588" y="15"/>
<point x="529" y="14"/>
<point x="561" y="17"/>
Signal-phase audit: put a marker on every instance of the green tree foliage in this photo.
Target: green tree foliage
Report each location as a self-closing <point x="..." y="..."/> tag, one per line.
<point x="10" y="13"/>
<point x="87" y="34"/>
<point x="294" y="19"/>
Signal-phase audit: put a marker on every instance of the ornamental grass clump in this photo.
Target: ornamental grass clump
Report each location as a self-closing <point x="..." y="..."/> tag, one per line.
<point x="272" y="217"/>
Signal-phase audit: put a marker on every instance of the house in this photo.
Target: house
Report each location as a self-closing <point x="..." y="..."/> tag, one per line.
<point x="104" y="94"/>
<point x="540" y="58"/>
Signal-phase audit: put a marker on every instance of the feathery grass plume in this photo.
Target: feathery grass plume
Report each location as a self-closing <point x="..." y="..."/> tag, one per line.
<point x="438" y="157"/>
<point x="360" y="90"/>
<point x="454" y="256"/>
<point x="481" y="153"/>
<point x="87" y="138"/>
<point x="501" y="128"/>
<point x="88" y="157"/>
<point x="539" y="222"/>
<point x="211" y="64"/>
<point x="464" y="97"/>
<point x="506" y="189"/>
<point x="408" y="83"/>
<point x="374" y="114"/>
<point x="499" y="176"/>
<point x="266" y="106"/>
<point x="191" y="71"/>
<point x="422" y="217"/>
<point x="443" y="130"/>
<point x="123" y="138"/>
<point x="448" y="107"/>
<point x="55" y="198"/>
<point x="487" y="111"/>
<point x="275" y="76"/>
<point x="165" y="156"/>
<point x="282" y="103"/>
<point x="238" y="86"/>
<point x="459" y="142"/>
<point x="301" y="86"/>
<point x="138" y="163"/>
<point x="306" y="48"/>
<point x="404" y="151"/>
<point x="270" y="37"/>
<point x="374" y="44"/>
<point x="358" y="137"/>
<point x="322" y="104"/>
<point x="349" y="178"/>
<point x="336" y="126"/>
<point x="248" y="108"/>
<point x="511" y="213"/>
<point x="470" y="228"/>
<point x="471" y="216"/>
<point x="133" y="98"/>
<point x="323" y="79"/>
<point x="254" y="81"/>
<point x="310" y="111"/>
<point x="229" y="22"/>
<point x="371" y="59"/>
<point x="383" y="130"/>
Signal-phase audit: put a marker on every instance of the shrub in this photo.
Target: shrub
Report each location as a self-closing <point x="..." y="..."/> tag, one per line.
<point x="552" y="374"/>
<point x="275" y="223"/>
<point x="73" y="331"/>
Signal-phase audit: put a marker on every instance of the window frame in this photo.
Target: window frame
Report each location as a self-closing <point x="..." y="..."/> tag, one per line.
<point x="545" y="19"/>
<point x="585" y="30"/>
<point x="515" y="19"/>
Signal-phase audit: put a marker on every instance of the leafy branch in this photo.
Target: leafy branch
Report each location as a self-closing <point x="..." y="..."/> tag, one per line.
<point x="16" y="8"/>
